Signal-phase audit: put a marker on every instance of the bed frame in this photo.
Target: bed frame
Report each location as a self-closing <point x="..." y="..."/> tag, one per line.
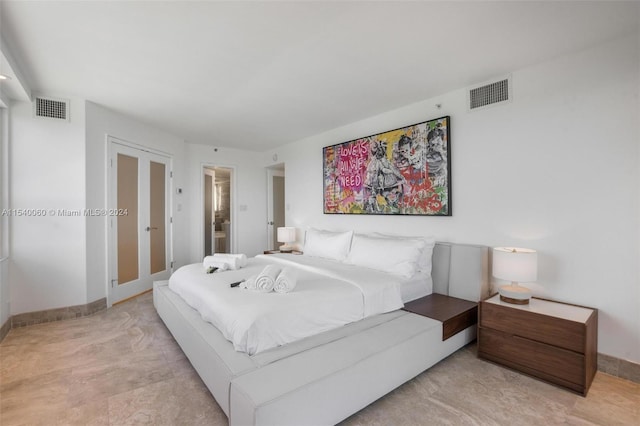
<point x="324" y="379"/>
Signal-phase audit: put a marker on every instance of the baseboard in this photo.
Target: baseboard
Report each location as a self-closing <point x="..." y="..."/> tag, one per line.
<point x="5" y="328"/>
<point x="58" y="314"/>
<point x="619" y="367"/>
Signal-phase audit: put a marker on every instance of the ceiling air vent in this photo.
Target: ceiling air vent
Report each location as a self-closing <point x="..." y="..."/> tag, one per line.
<point x="490" y="94"/>
<point x="56" y="109"/>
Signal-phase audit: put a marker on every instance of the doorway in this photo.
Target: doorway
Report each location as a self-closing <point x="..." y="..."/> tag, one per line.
<point x="275" y="204"/>
<point x="139" y="220"/>
<point x="218" y="210"/>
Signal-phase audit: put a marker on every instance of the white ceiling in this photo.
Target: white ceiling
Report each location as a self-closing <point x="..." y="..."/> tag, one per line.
<point x="256" y="75"/>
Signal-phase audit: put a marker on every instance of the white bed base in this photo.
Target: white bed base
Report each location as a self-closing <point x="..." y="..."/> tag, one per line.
<point x="324" y="379"/>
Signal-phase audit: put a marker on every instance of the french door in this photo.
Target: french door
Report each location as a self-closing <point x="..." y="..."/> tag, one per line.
<point x="139" y="220"/>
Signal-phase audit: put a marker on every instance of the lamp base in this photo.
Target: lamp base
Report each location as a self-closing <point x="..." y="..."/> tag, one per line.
<point x="514" y="294"/>
<point x="285" y="248"/>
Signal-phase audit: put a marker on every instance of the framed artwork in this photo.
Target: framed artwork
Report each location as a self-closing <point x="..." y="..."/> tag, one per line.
<point x="405" y="171"/>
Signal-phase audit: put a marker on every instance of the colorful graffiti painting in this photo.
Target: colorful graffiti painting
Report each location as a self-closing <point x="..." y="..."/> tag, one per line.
<point x="405" y="171"/>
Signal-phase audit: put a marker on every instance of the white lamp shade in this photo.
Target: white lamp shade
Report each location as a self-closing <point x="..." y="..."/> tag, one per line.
<point x="286" y="234"/>
<point x="514" y="264"/>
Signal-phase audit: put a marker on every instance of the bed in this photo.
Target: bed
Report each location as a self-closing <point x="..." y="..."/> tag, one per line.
<point x="324" y="378"/>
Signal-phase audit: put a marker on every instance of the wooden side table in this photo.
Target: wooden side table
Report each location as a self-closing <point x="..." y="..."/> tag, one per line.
<point x="455" y="314"/>
<point x="555" y="342"/>
<point x="278" y="251"/>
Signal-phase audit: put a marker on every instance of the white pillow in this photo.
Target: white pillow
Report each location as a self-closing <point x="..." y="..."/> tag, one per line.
<point x="392" y="255"/>
<point x="327" y="244"/>
<point x="424" y="262"/>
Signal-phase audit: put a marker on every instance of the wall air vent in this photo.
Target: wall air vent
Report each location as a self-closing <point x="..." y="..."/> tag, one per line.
<point x="490" y="94"/>
<point x="51" y="108"/>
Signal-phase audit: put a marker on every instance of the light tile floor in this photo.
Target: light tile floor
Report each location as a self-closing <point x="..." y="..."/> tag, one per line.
<point x="121" y="366"/>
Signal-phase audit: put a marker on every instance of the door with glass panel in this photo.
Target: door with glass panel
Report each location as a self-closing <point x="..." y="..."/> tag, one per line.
<point x="139" y="220"/>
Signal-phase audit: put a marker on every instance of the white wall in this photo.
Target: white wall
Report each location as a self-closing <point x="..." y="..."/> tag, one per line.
<point x="100" y="123"/>
<point x="47" y="171"/>
<point x="555" y="170"/>
<point x="5" y="301"/>
<point x="250" y="197"/>
<point x="61" y="261"/>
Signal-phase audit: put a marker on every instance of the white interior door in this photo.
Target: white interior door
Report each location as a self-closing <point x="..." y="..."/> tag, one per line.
<point x="139" y="220"/>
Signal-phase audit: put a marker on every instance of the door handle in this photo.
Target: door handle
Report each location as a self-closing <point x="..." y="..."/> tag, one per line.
<point x="269" y="223"/>
<point x="149" y="228"/>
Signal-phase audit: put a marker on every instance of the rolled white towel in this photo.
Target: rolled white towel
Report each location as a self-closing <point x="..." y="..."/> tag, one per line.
<point x="286" y="281"/>
<point x="211" y="261"/>
<point x="249" y="283"/>
<point x="267" y="278"/>
<point x="236" y="261"/>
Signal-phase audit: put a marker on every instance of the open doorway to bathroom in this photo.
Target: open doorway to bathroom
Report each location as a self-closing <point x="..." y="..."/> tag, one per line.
<point x="275" y="203"/>
<point x="218" y="208"/>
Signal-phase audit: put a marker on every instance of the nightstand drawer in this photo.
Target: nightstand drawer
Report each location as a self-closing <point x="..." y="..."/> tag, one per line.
<point x="553" y="341"/>
<point x="541" y="328"/>
<point x="551" y="361"/>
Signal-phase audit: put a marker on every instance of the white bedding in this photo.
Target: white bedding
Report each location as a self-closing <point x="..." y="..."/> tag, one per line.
<point x="327" y="296"/>
<point x="419" y="285"/>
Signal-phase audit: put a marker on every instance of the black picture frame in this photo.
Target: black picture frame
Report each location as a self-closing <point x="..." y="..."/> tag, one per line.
<point x="405" y="171"/>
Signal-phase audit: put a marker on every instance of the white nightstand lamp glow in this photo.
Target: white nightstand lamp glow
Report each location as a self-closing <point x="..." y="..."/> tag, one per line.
<point x="518" y="265"/>
<point x="286" y="235"/>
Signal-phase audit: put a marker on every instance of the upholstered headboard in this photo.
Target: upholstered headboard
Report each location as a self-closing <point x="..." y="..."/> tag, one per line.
<point x="461" y="270"/>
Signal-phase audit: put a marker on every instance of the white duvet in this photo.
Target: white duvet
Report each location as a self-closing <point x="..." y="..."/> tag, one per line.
<point x="327" y="295"/>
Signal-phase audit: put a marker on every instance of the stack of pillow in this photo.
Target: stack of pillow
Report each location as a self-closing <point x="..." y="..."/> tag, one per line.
<point x="403" y="256"/>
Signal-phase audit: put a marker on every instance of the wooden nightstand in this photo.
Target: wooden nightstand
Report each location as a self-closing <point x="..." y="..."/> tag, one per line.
<point x="455" y="314"/>
<point x="278" y="251"/>
<point x="552" y="341"/>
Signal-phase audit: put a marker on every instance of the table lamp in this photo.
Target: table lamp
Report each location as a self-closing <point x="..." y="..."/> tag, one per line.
<point x="286" y="235"/>
<point x="518" y="265"/>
